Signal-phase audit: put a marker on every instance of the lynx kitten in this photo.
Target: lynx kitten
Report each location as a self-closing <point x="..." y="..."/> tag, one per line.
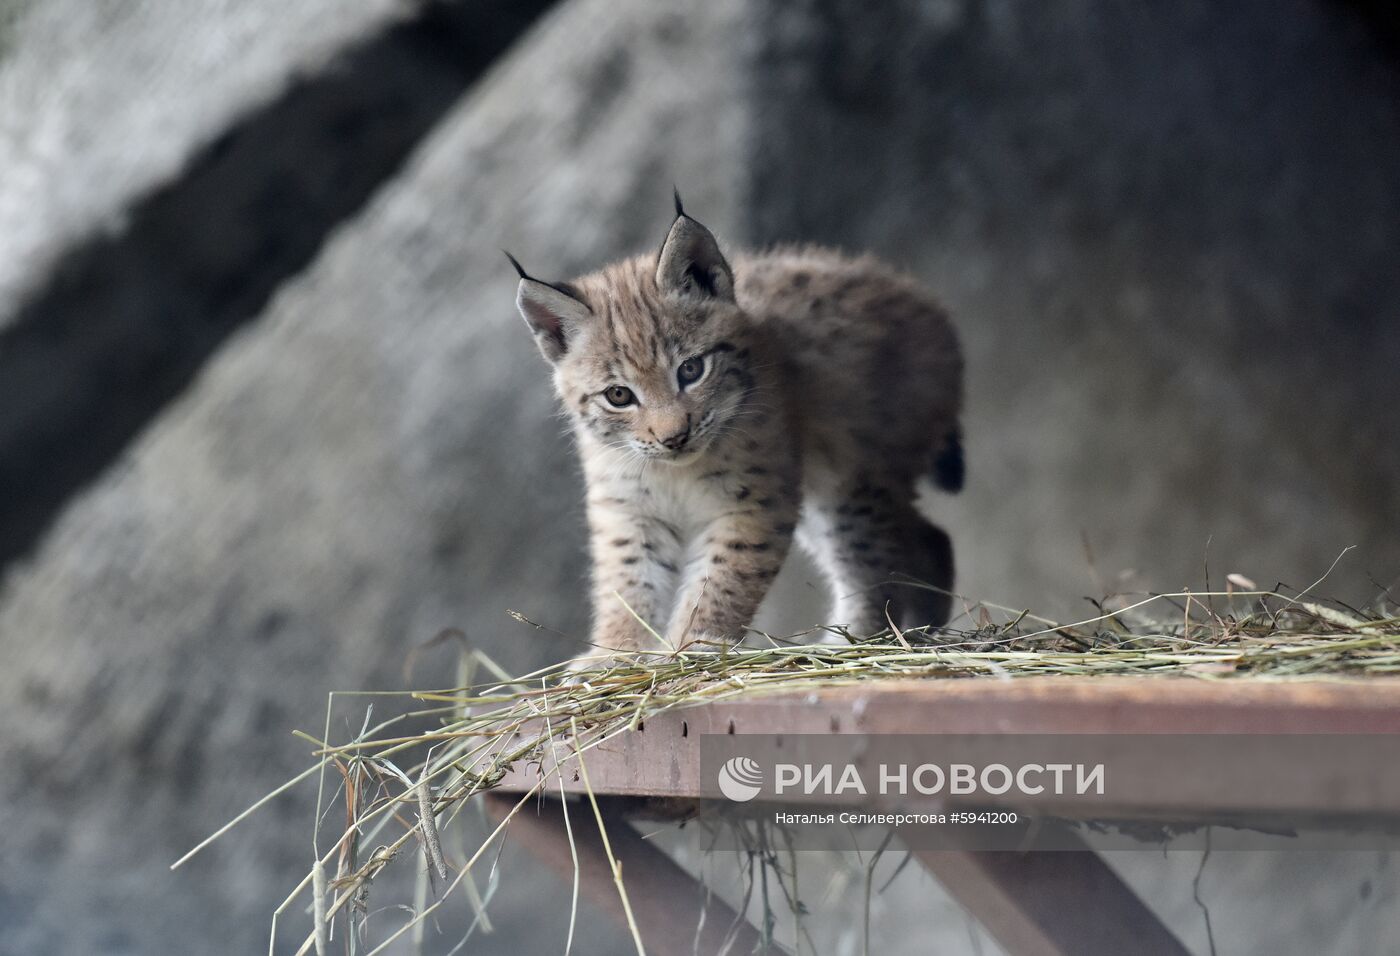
<point x="723" y="410"/>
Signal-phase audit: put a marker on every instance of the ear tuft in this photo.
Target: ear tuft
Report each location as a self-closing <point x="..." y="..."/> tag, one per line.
<point x="519" y="269"/>
<point x="690" y="262"/>
<point x="676" y="195"/>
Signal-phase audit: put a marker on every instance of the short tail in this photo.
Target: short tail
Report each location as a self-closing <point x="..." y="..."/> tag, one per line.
<point x="949" y="467"/>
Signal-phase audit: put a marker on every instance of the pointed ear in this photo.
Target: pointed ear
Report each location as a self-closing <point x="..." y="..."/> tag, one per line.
<point x="552" y="314"/>
<point x="551" y="311"/>
<point x="691" y="263"/>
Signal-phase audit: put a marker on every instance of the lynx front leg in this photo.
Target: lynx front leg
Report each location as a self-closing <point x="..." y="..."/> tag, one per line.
<point x="738" y="557"/>
<point x="635" y="565"/>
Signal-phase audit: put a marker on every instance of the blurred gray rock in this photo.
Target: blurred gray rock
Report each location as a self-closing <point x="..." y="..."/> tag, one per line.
<point x="126" y="319"/>
<point x="1168" y="239"/>
<point x="102" y="102"/>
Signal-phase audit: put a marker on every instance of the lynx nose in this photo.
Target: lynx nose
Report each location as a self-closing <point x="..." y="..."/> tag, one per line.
<point x="677" y="441"/>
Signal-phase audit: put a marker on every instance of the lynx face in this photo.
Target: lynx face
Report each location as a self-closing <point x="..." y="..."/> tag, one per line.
<point x="663" y="394"/>
<point x="650" y="358"/>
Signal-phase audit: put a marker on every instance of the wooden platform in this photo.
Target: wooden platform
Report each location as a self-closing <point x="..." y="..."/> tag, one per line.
<point x="1026" y="900"/>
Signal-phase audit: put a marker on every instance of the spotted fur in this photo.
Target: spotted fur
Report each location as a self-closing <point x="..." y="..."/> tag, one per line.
<point x="798" y="394"/>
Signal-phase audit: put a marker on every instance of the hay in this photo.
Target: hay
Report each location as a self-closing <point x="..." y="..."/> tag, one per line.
<point x="394" y="786"/>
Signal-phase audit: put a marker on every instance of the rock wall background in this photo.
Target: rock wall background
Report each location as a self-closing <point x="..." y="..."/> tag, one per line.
<point x="1168" y="239"/>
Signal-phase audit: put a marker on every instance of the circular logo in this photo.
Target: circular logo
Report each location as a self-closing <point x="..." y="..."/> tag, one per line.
<point x="740" y="779"/>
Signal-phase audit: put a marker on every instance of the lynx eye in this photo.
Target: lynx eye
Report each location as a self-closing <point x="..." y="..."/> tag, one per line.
<point x="690" y="370"/>
<point x="619" y="396"/>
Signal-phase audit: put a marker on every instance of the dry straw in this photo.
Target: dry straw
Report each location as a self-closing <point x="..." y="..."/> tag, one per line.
<point x="400" y="786"/>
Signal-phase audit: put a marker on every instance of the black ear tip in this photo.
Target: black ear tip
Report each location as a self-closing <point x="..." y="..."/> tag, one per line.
<point x="676" y="195"/>
<point x="519" y="269"/>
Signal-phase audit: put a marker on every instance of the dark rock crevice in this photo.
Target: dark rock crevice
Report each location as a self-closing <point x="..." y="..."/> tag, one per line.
<point x="127" y="319"/>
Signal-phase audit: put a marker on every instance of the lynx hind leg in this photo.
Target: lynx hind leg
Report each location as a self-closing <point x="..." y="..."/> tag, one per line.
<point x="932" y="560"/>
<point x="869" y="542"/>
